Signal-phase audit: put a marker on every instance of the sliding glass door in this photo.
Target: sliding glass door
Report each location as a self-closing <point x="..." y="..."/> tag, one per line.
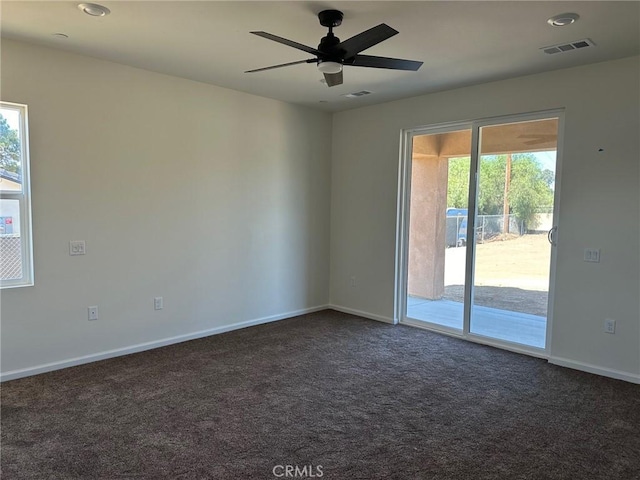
<point x="514" y="211"/>
<point x="478" y="228"/>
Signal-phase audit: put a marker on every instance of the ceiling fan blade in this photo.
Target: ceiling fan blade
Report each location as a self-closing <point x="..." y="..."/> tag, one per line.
<point x="333" y="79"/>
<point x="384" y="62"/>
<point x="311" y="60"/>
<point x="290" y="43"/>
<point x="366" y="39"/>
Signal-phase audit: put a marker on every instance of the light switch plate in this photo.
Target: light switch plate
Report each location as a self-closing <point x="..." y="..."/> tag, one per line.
<point x="77" y="247"/>
<point x="592" y="255"/>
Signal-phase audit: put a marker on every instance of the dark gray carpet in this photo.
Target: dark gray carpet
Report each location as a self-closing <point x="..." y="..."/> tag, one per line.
<point x="359" y="399"/>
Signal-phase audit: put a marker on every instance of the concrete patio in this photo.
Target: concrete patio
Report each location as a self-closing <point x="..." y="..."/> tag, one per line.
<point x="495" y="323"/>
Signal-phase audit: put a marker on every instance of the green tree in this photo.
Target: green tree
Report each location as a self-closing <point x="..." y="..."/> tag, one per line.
<point x="549" y="177"/>
<point x="530" y="187"/>
<point x="458" y="185"/>
<point x="9" y="147"/>
<point x="491" y="185"/>
<point x="530" y="190"/>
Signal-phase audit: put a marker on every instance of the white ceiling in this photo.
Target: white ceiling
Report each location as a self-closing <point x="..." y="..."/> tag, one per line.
<point x="460" y="43"/>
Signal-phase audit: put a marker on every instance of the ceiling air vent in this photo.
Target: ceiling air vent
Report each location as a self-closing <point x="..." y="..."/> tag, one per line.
<point x="361" y="93"/>
<point x="567" y="47"/>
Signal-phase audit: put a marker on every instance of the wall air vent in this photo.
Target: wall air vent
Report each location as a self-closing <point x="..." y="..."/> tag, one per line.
<point x="567" y="47"/>
<point x="361" y="93"/>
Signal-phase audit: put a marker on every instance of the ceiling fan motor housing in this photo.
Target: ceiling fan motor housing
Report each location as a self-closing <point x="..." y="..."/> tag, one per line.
<point x="328" y="46"/>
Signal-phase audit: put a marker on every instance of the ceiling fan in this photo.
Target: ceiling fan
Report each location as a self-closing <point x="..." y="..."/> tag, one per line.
<point x="332" y="54"/>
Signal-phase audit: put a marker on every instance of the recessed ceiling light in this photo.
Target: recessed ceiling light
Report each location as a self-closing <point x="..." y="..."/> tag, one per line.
<point x="563" y="19"/>
<point x="361" y="93"/>
<point x="94" y="9"/>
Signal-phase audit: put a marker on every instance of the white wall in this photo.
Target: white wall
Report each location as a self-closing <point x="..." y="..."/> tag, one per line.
<point x="216" y="200"/>
<point x="599" y="206"/>
<point x="219" y="202"/>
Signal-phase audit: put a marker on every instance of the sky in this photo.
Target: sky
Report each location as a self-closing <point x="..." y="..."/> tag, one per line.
<point x="12" y="117"/>
<point x="547" y="159"/>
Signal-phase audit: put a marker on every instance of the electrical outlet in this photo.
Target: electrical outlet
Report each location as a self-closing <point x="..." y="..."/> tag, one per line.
<point x="77" y="247"/>
<point x="609" y="326"/>
<point x="158" y="303"/>
<point x="93" y="313"/>
<point x="592" y="255"/>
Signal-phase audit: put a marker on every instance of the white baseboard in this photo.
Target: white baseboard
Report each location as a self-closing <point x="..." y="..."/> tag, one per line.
<point x="141" y="347"/>
<point x="72" y="362"/>
<point x="360" y="313"/>
<point x="587" y="367"/>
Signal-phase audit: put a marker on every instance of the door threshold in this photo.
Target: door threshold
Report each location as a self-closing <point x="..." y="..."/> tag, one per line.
<point x="479" y="339"/>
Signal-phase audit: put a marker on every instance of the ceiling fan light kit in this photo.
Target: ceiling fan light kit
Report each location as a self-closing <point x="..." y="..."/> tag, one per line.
<point x="332" y="54"/>
<point x="329" y="67"/>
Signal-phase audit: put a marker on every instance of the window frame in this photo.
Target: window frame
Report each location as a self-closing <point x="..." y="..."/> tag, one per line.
<point x="24" y="199"/>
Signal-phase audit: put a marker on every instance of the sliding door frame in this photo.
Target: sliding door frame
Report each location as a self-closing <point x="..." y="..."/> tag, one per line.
<point x="402" y="226"/>
<point x="402" y="223"/>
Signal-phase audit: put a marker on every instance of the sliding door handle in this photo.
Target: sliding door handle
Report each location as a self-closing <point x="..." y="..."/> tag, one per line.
<point x="551" y="235"/>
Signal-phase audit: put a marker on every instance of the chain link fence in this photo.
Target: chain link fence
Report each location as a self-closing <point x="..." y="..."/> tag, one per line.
<point x="487" y="228"/>
<point x="10" y="258"/>
<point x="490" y="226"/>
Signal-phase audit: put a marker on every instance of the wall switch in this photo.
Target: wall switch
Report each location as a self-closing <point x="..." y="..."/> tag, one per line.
<point x="93" y="313"/>
<point x="592" y="255"/>
<point x="158" y="303"/>
<point x="353" y="281"/>
<point x="609" y="326"/>
<point x="76" y="247"/>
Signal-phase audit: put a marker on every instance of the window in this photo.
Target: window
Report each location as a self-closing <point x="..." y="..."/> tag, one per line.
<point x="16" y="254"/>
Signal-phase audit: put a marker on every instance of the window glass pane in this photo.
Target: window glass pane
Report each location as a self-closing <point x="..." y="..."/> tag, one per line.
<point x="440" y="167"/>
<point x="10" y="150"/>
<point x="16" y="264"/>
<point x="10" y="240"/>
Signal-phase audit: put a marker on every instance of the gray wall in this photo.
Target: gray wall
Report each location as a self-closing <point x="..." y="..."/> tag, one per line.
<point x="214" y="199"/>
<point x="599" y="204"/>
